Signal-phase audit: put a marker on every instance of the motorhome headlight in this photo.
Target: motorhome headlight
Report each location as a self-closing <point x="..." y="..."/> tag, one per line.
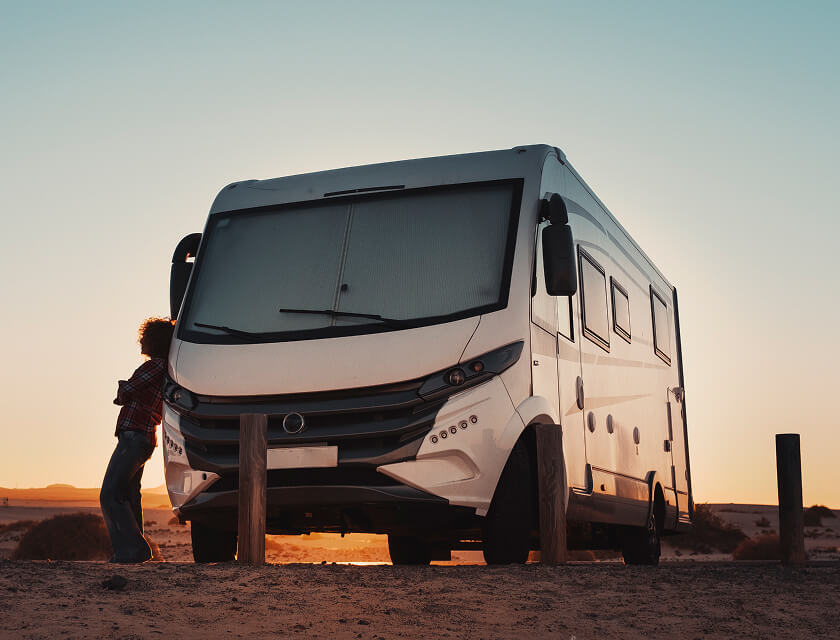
<point x="180" y="396"/>
<point x="456" y="377"/>
<point x="477" y="371"/>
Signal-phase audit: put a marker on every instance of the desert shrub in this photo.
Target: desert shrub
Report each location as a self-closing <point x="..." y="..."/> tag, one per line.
<point x="814" y="514"/>
<point x="822" y="510"/>
<point x="18" y="525"/>
<point x="709" y="532"/>
<point x="760" y="548"/>
<point x="762" y="522"/>
<point x="812" y="518"/>
<point x="76" y="536"/>
<point x="174" y="520"/>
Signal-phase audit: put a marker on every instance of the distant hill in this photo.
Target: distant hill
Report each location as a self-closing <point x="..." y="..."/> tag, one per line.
<point x="69" y="493"/>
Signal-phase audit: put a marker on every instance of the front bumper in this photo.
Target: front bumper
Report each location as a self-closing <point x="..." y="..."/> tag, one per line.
<point x="371" y="427"/>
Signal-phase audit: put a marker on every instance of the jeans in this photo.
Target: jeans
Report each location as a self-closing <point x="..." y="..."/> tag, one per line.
<point x="120" y="497"/>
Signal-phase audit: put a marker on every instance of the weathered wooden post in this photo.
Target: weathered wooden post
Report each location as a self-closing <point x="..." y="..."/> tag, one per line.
<point x="791" y="515"/>
<point x="253" y="451"/>
<point x="552" y="489"/>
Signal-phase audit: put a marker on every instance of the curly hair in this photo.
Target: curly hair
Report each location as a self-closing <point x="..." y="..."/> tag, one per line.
<point x="154" y="336"/>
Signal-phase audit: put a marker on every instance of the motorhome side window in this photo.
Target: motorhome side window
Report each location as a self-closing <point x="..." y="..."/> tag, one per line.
<point x="564" y="317"/>
<point x="593" y="285"/>
<point x="661" y="329"/>
<point x="621" y="310"/>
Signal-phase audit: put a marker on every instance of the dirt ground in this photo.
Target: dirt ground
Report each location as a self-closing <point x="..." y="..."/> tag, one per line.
<point x="303" y="594"/>
<point x="579" y="601"/>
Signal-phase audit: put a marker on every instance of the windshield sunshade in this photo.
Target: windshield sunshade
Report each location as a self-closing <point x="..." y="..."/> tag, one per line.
<point x="413" y="258"/>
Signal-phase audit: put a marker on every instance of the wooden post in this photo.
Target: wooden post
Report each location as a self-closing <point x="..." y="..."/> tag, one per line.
<point x="551" y="481"/>
<point x="253" y="451"/>
<point x="791" y="515"/>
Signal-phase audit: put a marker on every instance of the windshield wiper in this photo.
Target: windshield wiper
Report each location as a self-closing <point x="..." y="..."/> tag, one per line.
<point x="393" y="322"/>
<point x="233" y="332"/>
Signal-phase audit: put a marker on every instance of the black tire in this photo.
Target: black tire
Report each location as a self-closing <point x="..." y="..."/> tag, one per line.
<point x="642" y="545"/>
<point x="408" y="550"/>
<point x="507" y="526"/>
<point x="212" y="545"/>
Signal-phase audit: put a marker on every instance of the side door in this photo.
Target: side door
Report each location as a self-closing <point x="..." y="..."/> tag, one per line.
<point x="667" y="349"/>
<point x="595" y="365"/>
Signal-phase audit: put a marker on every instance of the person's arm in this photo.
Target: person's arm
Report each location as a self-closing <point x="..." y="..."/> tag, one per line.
<point x="146" y="374"/>
<point x="120" y="399"/>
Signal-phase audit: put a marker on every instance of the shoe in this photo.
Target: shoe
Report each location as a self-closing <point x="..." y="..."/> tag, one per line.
<point x="138" y="559"/>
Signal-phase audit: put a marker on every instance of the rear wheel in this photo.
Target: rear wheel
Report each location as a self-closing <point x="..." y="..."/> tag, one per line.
<point x="507" y="527"/>
<point x="642" y="545"/>
<point x="212" y="545"/>
<point x="409" y="550"/>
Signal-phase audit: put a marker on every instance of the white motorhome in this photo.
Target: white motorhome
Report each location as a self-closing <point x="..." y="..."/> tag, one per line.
<point x="405" y="326"/>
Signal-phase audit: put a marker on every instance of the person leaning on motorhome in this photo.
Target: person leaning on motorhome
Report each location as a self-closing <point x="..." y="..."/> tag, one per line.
<point x="141" y="397"/>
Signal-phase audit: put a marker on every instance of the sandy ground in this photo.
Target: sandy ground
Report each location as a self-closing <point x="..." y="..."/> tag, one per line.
<point x="579" y="601"/>
<point x="688" y="596"/>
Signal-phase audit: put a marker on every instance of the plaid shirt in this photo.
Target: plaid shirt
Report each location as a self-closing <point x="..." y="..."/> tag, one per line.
<point x="141" y="397"/>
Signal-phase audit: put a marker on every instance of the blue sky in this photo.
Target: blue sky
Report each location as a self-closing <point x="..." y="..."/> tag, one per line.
<point x="707" y="128"/>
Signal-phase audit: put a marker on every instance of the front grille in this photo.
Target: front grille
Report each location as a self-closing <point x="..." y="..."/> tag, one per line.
<point x="370" y="425"/>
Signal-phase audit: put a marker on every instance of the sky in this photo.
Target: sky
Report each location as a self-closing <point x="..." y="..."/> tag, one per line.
<point x="709" y="130"/>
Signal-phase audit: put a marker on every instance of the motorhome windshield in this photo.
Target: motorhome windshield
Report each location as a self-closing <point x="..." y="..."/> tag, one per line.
<point x="343" y="267"/>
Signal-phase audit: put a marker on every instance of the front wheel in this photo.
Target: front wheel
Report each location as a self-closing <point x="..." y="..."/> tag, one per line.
<point x="507" y="526"/>
<point x="642" y="545"/>
<point x="212" y="545"/>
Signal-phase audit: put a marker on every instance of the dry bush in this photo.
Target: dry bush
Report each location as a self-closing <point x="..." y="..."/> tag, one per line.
<point x="174" y="520"/>
<point x="709" y="532"/>
<point x="761" y="548"/>
<point x="814" y="514"/>
<point x="812" y="518"/>
<point x="18" y="525"/>
<point x="77" y="536"/>
<point x="762" y="522"/>
<point x="822" y="510"/>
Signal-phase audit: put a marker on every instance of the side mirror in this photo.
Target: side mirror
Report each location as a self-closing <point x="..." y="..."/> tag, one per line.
<point x="559" y="260"/>
<point x="179" y="276"/>
<point x="553" y="208"/>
